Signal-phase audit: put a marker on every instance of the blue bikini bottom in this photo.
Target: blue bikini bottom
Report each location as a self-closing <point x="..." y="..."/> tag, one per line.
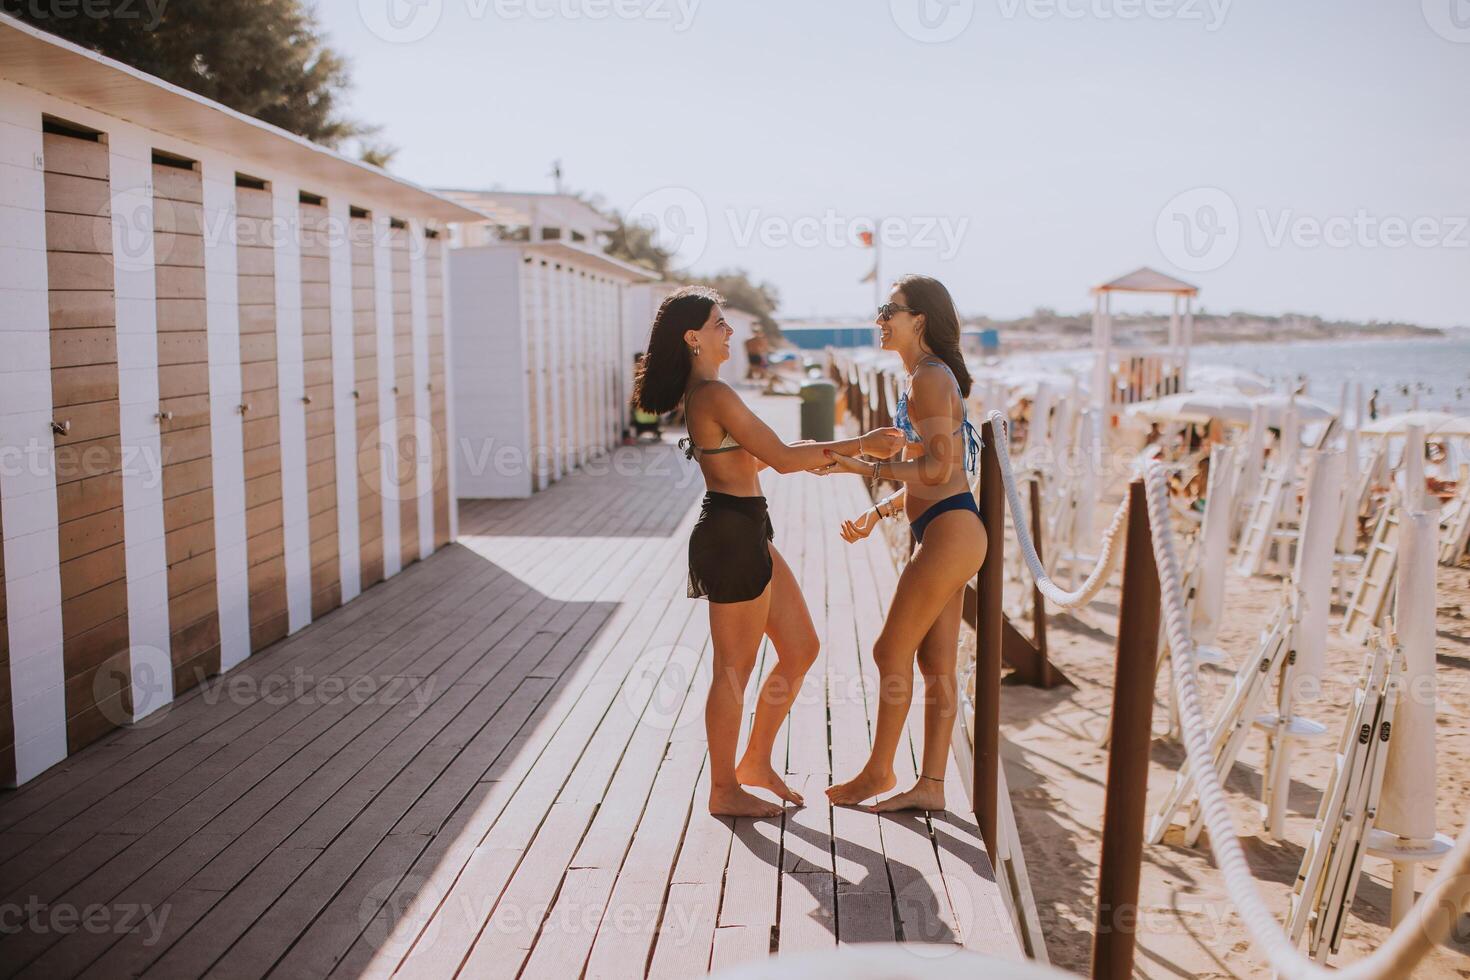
<point x="964" y="500"/>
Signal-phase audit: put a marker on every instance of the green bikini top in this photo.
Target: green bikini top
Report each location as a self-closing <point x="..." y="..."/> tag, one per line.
<point x="691" y="450"/>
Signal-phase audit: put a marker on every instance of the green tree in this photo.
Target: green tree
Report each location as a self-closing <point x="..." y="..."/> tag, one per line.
<point x="265" y="58"/>
<point x="635" y="243"/>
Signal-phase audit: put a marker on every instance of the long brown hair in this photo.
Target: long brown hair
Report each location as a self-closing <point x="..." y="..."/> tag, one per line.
<point x="659" y="383"/>
<point x="941" y="323"/>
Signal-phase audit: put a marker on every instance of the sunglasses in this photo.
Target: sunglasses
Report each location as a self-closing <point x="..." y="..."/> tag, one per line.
<point x="887" y="310"/>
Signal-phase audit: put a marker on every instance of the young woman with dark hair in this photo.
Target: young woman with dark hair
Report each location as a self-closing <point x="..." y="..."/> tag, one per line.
<point x="732" y="560"/>
<point x="919" y="323"/>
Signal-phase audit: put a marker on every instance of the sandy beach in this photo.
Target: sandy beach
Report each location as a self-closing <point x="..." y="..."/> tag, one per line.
<point x="1188" y="925"/>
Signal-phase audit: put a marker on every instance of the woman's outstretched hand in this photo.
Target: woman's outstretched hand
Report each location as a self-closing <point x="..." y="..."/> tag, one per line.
<point x="882" y="443"/>
<point x="847" y="464"/>
<point x="856" y="530"/>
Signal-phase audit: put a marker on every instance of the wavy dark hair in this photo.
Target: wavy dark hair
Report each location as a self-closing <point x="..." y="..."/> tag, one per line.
<point x="659" y="383"/>
<point x="941" y="323"/>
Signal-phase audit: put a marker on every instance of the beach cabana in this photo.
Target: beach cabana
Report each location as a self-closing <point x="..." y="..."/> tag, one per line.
<point x="540" y="367"/>
<point x="1122" y="376"/>
<point x="215" y="335"/>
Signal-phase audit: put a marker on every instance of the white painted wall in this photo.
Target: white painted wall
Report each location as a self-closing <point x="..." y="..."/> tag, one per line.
<point x="227" y="445"/>
<point x="130" y="163"/>
<point x="28" y="478"/>
<point x="387" y="401"/>
<point x="290" y="388"/>
<point x="491" y="456"/>
<point x="344" y="406"/>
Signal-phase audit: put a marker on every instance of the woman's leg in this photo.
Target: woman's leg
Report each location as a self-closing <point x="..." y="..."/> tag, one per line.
<point x="735" y="634"/>
<point x="938" y="662"/>
<point x="954" y="546"/>
<point x="789" y="625"/>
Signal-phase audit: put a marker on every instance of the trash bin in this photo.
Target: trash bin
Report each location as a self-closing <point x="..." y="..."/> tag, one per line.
<point x="818" y="409"/>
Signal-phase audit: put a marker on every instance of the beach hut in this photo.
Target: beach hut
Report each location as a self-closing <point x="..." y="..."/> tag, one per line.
<point x="1123" y="376"/>
<point x="541" y="367"/>
<point x="215" y="335"/>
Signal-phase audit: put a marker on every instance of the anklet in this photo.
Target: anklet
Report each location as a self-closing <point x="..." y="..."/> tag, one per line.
<point x="936" y="779"/>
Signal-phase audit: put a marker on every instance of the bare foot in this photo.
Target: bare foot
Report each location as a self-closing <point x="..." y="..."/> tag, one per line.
<point x="754" y="772"/>
<point x="736" y="802"/>
<point x="926" y="794"/>
<point x="860" y="787"/>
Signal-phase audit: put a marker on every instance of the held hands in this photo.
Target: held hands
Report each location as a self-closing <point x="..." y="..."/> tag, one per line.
<point x="846" y="464"/>
<point x="881" y="443"/>
<point x="855" y="530"/>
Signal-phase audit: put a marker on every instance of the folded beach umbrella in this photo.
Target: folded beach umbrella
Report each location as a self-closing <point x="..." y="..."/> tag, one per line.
<point x="1228" y="378"/>
<point x="1307" y="409"/>
<point x="1195" y="406"/>
<point x="1459" y="426"/>
<point x="1397" y="425"/>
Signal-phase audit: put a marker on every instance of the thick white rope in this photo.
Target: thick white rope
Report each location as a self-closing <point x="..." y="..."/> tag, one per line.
<point x="1107" y="558"/>
<point x="1431" y="919"/>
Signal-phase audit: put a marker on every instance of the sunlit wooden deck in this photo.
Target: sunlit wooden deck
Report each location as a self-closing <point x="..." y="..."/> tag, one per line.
<point x="493" y="765"/>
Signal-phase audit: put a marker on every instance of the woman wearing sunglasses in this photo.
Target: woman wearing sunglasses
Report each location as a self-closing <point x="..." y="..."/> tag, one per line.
<point x="919" y="323"/>
<point x="732" y="560"/>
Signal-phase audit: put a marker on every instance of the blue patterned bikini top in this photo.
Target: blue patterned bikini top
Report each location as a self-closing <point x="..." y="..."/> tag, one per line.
<point x="973" y="443"/>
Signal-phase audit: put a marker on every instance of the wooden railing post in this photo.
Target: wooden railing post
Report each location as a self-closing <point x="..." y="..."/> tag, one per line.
<point x="1116" y="920"/>
<point x="989" y="620"/>
<point x="1038" y="601"/>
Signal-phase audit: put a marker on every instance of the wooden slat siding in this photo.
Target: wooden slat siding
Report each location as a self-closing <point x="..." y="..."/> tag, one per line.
<point x="265" y="545"/>
<point x="183" y="389"/>
<point x="321" y="439"/>
<point x="407" y="449"/>
<point x="365" y="377"/>
<point x="438" y="389"/>
<point x="7" y="716"/>
<point x="88" y="458"/>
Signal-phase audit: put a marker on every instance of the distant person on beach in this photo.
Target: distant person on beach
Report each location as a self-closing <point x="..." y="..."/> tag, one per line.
<point x="919" y="323"/>
<point x="756" y="350"/>
<point x="732" y="560"/>
<point x="1373" y="405"/>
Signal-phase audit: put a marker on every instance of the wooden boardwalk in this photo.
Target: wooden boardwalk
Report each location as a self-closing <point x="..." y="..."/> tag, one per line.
<point x="492" y="765"/>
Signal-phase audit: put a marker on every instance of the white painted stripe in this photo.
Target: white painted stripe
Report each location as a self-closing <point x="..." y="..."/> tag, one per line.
<point x="222" y="316"/>
<point x="387" y="401"/>
<point x="291" y="385"/>
<point x="423" y="417"/>
<point x="130" y="160"/>
<point x="344" y="407"/>
<point x="451" y="436"/>
<point x="28" y="476"/>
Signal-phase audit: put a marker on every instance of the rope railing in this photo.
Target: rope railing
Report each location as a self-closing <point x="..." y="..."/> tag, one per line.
<point x="1448" y="893"/>
<point x="1437" y="909"/>
<point x="1107" y="558"/>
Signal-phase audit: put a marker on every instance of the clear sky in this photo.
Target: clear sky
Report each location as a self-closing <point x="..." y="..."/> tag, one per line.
<point x="1300" y="155"/>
